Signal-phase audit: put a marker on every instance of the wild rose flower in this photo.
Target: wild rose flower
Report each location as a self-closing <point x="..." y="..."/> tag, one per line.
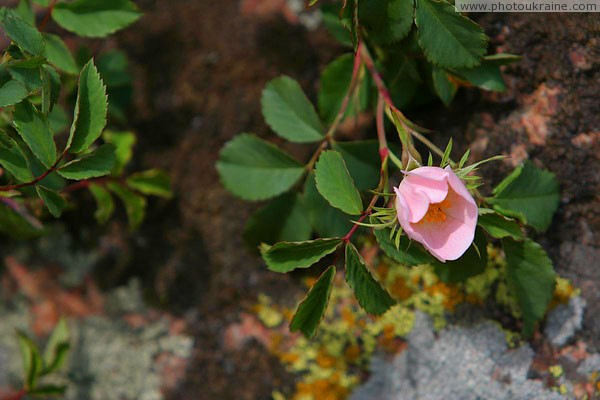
<point x="435" y="208"/>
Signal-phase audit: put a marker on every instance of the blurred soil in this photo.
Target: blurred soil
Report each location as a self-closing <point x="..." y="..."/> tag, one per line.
<point x="199" y="68"/>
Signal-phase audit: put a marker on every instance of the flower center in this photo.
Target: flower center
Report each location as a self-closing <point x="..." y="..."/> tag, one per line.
<point x="435" y="212"/>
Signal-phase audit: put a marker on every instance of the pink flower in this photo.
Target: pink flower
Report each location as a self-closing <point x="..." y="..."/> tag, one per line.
<point x="435" y="208"/>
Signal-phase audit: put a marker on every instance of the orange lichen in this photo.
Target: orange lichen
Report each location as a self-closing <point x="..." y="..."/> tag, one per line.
<point x="400" y="289"/>
<point x="324" y="359"/>
<point x="451" y="294"/>
<point x="352" y="353"/>
<point x="322" y="389"/>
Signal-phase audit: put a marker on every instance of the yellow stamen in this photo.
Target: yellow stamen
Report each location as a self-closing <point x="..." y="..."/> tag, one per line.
<point x="436" y="212"/>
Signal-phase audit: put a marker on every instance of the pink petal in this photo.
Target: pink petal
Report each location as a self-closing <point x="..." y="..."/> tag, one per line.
<point x="446" y="241"/>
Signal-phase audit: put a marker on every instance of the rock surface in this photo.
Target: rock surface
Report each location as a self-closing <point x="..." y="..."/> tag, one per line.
<point x="462" y="363"/>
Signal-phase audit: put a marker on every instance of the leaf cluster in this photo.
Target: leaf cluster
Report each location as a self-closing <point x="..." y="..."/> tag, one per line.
<point x="44" y="152"/>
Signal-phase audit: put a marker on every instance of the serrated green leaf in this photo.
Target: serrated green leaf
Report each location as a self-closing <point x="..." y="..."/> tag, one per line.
<point x="254" y="169"/>
<point x="34" y="129"/>
<point x="371" y="295"/>
<point x="326" y="220"/>
<point x="335" y="183"/>
<point x="53" y="201"/>
<point x="531" y="278"/>
<point x="11" y="90"/>
<point x="472" y="263"/>
<point x="362" y="160"/>
<point x="310" y="311"/>
<point x="124" y="142"/>
<point x="90" y="110"/>
<point x="449" y="39"/>
<point x="50" y="88"/>
<point x="289" y="113"/>
<point x="406" y="253"/>
<point x="283" y="219"/>
<point x="105" y="205"/>
<point x="153" y="182"/>
<point x="97" y="163"/>
<point x="444" y="88"/>
<point x="499" y="226"/>
<point x="287" y="256"/>
<point x="529" y="194"/>
<point x="59" y="54"/>
<point x="135" y="205"/>
<point x="95" y="18"/>
<point x="386" y="21"/>
<point x="57" y="347"/>
<point x="14" y="161"/>
<point x="32" y="362"/>
<point x="22" y="33"/>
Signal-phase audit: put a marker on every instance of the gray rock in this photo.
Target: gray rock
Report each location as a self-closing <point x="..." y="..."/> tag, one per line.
<point x="564" y="321"/>
<point x="108" y="358"/>
<point x="462" y="363"/>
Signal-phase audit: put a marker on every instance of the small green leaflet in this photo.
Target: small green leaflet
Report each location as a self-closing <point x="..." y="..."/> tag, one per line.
<point x="282" y="219"/>
<point x="53" y="201"/>
<point x="362" y="160"/>
<point x="135" y="205"/>
<point x="335" y="183"/>
<point x="386" y="21"/>
<point x="529" y="194"/>
<point x="499" y="226"/>
<point x="29" y="76"/>
<point x="16" y="222"/>
<point x="408" y="253"/>
<point x="531" y="278"/>
<point x="35" y="130"/>
<point x="90" y="110"/>
<point x="57" y="347"/>
<point x="371" y="295"/>
<point x="95" y="18"/>
<point x="444" y="88"/>
<point x="14" y="161"/>
<point x="24" y="10"/>
<point x="11" y="90"/>
<point x="448" y="39"/>
<point x="50" y="88"/>
<point x="254" y="169"/>
<point x="289" y="113"/>
<point x="153" y="182"/>
<point x="335" y="81"/>
<point x="487" y="76"/>
<point x="310" y="312"/>
<point x="22" y="33"/>
<point x="326" y="220"/>
<point x="32" y="362"/>
<point x="287" y="256"/>
<point x="97" y="163"/>
<point x="105" y="205"/>
<point x="124" y="142"/>
<point x="59" y="54"/>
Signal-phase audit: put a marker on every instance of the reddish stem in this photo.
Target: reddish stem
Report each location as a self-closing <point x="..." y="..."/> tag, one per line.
<point x="53" y="168"/>
<point x="48" y="15"/>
